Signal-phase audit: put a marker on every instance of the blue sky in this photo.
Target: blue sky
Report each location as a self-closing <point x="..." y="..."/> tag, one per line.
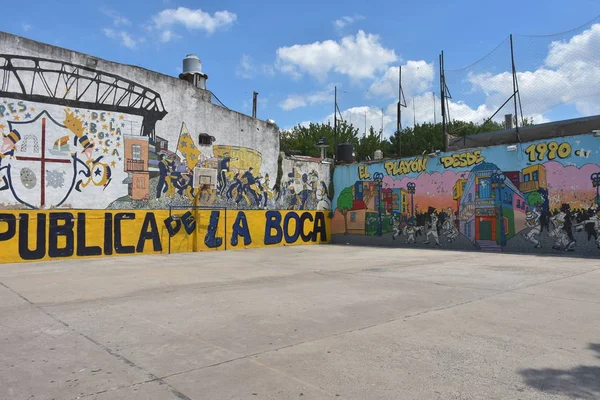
<point x="293" y="53"/>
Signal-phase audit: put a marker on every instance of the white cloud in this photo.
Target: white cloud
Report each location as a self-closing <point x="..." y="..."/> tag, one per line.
<point x="346" y="20"/>
<point x="356" y="117"/>
<point x="167" y="35"/>
<point x="194" y="19"/>
<point x="118" y="19"/>
<point x="359" y="57"/>
<point x="26" y="27"/>
<point x="417" y="77"/>
<point x="247" y="69"/>
<point x="294" y="101"/>
<point x="123" y="36"/>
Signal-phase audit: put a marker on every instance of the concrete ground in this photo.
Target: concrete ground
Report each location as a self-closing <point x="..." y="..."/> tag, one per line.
<point x="313" y="322"/>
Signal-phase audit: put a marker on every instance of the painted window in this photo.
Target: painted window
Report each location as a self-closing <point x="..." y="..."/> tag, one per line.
<point x="518" y="203"/>
<point x="136" y="151"/>
<point x="526" y="178"/>
<point x="140" y="183"/>
<point x="353" y="217"/>
<point x="484" y="189"/>
<point x="535" y="176"/>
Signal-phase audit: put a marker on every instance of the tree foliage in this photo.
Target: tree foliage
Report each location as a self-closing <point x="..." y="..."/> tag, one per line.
<point x="303" y="139"/>
<point x="344" y="203"/>
<point x="417" y="140"/>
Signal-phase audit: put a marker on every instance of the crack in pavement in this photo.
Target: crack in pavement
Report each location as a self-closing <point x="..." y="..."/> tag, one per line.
<point x="409" y="316"/>
<point x="161" y="380"/>
<point x="103" y="347"/>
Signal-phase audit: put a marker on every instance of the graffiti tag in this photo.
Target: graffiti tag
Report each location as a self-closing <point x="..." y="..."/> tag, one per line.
<point x="401" y="167"/>
<point x="458" y="160"/>
<point x="548" y="151"/>
<point x="363" y="172"/>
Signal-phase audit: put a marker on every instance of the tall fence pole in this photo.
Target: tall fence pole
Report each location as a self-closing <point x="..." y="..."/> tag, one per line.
<point x="443" y="100"/>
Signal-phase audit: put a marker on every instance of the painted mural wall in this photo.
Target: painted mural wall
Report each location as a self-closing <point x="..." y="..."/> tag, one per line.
<point x="60" y="234"/>
<point x="305" y="184"/>
<point x="79" y="132"/>
<point x="543" y="197"/>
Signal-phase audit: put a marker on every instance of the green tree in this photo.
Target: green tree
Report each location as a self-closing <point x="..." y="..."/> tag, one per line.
<point x="303" y="139"/>
<point x="344" y="203"/>
<point x="367" y="145"/>
<point x="535" y="199"/>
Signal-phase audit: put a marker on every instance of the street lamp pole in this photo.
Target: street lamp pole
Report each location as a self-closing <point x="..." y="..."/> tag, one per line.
<point x="411" y="186"/>
<point x="596" y="182"/>
<point x="378" y="179"/>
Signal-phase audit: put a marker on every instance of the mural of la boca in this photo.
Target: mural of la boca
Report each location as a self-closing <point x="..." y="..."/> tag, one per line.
<point x="544" y="197"/>
<point x="75" y="137"/>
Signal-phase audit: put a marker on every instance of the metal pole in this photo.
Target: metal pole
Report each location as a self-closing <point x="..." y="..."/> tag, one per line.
<point x="335" y="126"/>
<point x="443" y="101"/>
<point x="399" y="112"/>
<point x="379" y="222"/>
<point x="381" y="133"/>
<point x="170" y="214"/>
<point x="414" y="115"/>
<point x="514" y="72"/>
<point x="434" y="120"/>
<point x="254" y="101"/>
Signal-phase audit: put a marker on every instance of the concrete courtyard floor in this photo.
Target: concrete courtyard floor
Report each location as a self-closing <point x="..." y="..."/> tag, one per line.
<point x="311" y="322"/>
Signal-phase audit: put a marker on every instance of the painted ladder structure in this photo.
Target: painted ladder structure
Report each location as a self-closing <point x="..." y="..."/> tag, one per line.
<point x="78" y="86"/>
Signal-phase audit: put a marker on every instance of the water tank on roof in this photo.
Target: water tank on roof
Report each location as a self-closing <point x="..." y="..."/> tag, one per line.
<point x="192" y="64"/>
<point x="345" y="153"/>
<point x="378" y="155"/>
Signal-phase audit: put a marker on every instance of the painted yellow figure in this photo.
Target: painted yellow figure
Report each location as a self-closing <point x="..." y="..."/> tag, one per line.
<point x="170" y="179"/>
<point x="98" y="174"/>
<point x="75" y="125"/>
<point x="270" y="193"/>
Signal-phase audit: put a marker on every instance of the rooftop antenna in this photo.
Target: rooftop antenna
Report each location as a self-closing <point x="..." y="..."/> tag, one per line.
<point x="254" y="102"/>
<point x="401" y="103"/>
<point x="381" y="133"/>
<point x="335" y="138"/>
<point x="434" y="119"/>
<point x="414" y="114"/>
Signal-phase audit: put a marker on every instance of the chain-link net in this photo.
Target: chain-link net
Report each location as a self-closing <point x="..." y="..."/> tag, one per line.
<point x="557" y="78"/>
<point x="559" y="75"/>
<point x="480" y="91"/>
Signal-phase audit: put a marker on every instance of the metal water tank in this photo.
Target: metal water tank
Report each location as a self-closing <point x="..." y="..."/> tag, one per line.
<point x="378" y="155"/>
<point x="192" y="64"/>
<point x="345" y="153"/>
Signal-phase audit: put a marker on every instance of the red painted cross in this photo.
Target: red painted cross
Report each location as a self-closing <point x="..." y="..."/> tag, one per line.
<point x="44" y="160"/>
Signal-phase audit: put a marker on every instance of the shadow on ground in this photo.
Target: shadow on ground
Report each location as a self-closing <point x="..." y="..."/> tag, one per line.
<point x="582" y="382"/>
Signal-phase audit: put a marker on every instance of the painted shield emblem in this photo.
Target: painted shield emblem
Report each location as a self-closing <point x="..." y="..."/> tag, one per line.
<point x="42" y="172"/>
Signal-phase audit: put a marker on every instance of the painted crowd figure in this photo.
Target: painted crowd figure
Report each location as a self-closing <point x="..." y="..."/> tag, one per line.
<point x="7" y="152"/>
<point x="533" y="221"/>
<point x="433" y="229"/>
